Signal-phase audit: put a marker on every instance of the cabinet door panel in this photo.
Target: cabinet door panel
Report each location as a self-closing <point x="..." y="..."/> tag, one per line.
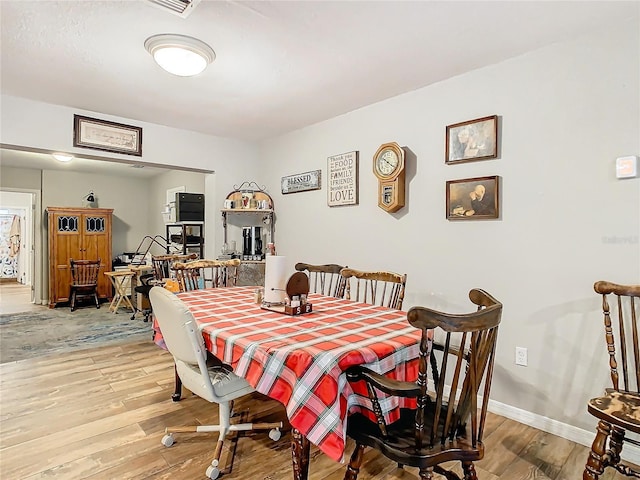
<point x="97" y="244"/>
<point x="66" y="245"/>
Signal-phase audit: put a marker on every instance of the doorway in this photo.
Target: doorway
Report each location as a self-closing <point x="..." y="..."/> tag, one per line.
<point x="18" y="252"/>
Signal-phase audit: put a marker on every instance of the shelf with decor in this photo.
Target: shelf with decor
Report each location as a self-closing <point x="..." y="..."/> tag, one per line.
<point x="254" y="207"/>
<point x="185" y="238"/>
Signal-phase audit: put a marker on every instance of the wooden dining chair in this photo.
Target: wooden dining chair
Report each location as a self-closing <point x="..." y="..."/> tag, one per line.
<point x="617" y="410"/>
<point x="448" y="423"/>
<point x="200" y="274"/>
<point x="376" y="288"/>
<point x="161" y="270"/>
<point x="324" y="279"/>
<point x="84" y="281"/>
<point x="163" y="264"/>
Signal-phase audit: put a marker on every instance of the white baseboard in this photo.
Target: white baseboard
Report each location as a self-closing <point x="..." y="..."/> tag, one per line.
<point x="630" y="453"/>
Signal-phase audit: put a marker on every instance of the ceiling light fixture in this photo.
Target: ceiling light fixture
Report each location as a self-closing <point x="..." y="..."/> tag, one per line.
<point x="178" y="54"/>
<point x="61" y="157"/>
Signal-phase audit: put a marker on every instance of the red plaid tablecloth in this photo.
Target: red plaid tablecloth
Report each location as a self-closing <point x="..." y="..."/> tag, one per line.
<point x="300" y="360"/>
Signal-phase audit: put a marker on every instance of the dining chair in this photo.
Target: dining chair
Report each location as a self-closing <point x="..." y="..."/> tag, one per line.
<point x="84" y="280"/>
<point x="376" y="288"/>
<point x="617" y="410"/>
<point x="448" y="422"/>
<point x="324" y="279"/>
<point x="200" y="274"/>
<point x="202" y="374"/>
<point x="161" y="270"/>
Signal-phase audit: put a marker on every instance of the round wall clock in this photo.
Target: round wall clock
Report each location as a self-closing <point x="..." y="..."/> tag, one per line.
<point x="388" y="166"/>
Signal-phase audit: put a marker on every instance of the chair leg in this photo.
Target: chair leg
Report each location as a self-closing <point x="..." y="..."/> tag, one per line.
<point x="354" y="464"/>
<point x="426" y="473"/>
<point x="469" y="471"/>
<point x="73" y="300"/>
<point x="95" y="297"/>
<point x="596" y="460"/>
<point x="177" y="394"/>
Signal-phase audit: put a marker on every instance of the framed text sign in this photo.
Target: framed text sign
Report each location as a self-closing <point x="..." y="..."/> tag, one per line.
<point x="106" y="136"/>
<point x="342" y="186"/>
<point x="301" y="182"/>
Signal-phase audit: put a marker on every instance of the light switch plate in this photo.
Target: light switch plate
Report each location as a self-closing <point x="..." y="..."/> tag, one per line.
<point x="627" y="167"/>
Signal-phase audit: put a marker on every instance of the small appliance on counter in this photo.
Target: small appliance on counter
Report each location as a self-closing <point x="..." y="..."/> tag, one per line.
<point x="252" y="243"/>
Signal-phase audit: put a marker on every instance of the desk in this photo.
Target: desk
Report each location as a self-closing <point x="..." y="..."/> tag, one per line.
<point x="120" y="280"/>
<point x="300" y="361"/>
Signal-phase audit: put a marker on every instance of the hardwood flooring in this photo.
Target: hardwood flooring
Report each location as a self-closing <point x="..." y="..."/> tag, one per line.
<point x="15" y="297"/>
<point x="100" y="414"/>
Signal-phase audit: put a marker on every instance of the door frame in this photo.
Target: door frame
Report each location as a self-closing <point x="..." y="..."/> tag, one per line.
<point x="36" y="248"/>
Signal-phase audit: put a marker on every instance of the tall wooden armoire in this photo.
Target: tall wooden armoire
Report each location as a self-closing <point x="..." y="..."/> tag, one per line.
<point x="81" y="234"/>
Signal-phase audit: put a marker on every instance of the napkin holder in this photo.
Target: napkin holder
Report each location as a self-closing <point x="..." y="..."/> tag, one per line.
<point x="297" y="286"/>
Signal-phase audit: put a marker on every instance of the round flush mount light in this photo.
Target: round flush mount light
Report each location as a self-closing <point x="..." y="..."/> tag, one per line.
<point x="62" y="157"/>
<point x="179" y="54"/>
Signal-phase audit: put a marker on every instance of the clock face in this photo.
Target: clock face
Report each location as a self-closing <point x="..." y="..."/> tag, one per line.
<point x="387" y="162"/>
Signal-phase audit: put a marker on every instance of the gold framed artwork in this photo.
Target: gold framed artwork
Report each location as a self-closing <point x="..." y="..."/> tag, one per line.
<point x="106" y="136"/>
<point x="472" y="140"/>
<point x="473" y="198"/>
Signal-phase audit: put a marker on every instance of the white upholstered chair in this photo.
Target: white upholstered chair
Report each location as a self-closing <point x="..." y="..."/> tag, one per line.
<point x="215" y="383"/>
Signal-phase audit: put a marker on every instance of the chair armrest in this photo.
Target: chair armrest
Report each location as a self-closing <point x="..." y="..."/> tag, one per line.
<point x="388" y="385"/>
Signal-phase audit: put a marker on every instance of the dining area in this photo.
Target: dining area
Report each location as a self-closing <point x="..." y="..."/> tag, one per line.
<point x="355" y="366"/>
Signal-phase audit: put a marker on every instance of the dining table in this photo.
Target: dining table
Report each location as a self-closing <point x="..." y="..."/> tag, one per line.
<point x="301" y="360"/>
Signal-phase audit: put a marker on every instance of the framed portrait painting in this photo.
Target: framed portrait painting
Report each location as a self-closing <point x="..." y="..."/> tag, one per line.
<point x="472" y="140"/>
<point x="473" y="198"/>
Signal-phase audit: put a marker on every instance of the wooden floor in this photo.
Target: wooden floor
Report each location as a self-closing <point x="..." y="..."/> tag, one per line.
<point x="15" y="297"/>
<point x="100" y="414"/>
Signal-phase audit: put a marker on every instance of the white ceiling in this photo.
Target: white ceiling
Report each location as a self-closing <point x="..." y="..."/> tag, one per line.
<point x="281" y="65"/>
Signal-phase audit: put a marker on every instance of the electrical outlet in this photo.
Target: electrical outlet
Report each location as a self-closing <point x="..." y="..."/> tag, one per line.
<point x="521" y="356"/>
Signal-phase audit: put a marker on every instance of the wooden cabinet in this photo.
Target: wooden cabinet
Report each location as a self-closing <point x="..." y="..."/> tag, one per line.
<point x="81" y="234"/>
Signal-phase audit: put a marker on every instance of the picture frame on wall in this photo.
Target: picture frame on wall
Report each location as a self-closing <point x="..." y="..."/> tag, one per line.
<point x="342" y="182"/>
<point x="473" y="198"/>
<point x="106" y="136"/>
<point x="472" y="140"/>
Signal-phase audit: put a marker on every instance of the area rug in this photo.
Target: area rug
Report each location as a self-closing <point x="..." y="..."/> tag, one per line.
<point x="45" y="331"/>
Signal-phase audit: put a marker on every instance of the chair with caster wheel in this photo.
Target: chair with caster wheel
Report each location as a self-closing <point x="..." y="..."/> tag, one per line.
<point x="206" y="377"/>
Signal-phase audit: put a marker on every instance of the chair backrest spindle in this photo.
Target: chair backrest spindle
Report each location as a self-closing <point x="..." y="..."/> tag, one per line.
<point x="622" y="336"/>
<point x="324" y="279"/>
<point x="376" y="288"/>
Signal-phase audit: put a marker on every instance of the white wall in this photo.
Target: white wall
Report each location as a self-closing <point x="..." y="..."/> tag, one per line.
<point x="566" y="113"/>
<point x="50" y="127"/>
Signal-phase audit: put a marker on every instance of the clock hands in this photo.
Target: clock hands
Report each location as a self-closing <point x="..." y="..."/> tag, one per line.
<point x="388" y="163"/>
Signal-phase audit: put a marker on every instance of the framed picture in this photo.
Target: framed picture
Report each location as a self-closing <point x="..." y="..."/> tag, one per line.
<point x="301" y="182"/>
<point x="473" y="198"/>
<point x="472" y="140"/>
<point x="342" y="180"/>
<point x="106" y="136"/>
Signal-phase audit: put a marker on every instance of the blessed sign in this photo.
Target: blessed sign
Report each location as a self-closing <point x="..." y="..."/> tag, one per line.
<point x="301" y="182"/>
<point x="343" y="179"/>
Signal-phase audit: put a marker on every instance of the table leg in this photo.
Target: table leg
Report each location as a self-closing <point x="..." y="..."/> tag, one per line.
<point x="299" y="455"/>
